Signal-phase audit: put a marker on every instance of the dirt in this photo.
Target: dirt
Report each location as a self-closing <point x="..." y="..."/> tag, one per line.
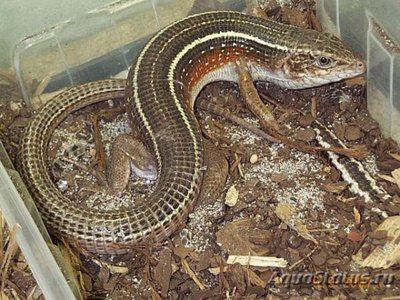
<point x="264" y="177"/>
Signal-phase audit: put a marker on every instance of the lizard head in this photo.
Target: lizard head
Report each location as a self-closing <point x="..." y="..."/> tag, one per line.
<point x="317" y="59"/>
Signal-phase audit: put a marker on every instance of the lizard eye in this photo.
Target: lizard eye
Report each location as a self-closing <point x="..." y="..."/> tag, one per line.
<point x="323" y="62"/>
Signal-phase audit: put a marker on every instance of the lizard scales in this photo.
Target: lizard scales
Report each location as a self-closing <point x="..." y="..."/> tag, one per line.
<point x="162" y="85"/>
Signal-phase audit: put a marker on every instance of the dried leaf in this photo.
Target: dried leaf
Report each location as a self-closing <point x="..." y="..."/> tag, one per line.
<point x="395" y="155"/>
<point x="396" y="176"/>
<point x="288" y="214"/>
<point x="232" y="196"/>
<point x="335" y="187"/>
<point x="357" y="215"/>
<point x="217" y="270"/>
<point x="236" y="238"/>
<point x="387" y="178"/>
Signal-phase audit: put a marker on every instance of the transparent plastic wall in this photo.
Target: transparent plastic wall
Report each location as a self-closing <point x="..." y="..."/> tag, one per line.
<point x="372" y="28"/>
<point x="99" y="44"/>
<point x="96" y="45"/>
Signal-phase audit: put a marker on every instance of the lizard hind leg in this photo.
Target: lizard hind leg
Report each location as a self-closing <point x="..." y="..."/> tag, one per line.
<point x="216" y="174"/>
<point x="128" y="154"/>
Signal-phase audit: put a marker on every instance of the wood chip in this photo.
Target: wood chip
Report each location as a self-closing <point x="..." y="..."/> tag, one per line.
<point x="39" y="101"/>
<point x="257" y="261"/>
<point x="217" y="270"/>
<point x="353" y="133"/>
<point x="279" y="177"/>
<point x="294" y="17"/>
<point x="255" y="279"/>
<point x="378" y="234"/>
<point x="396" y="176"/>
<point x="252" y="99"/>
<point x="15" y="107"/>
<point x="360" y="80"/>
<point x="357" y="215"/>
<point x="118" y="269"/>
<point x="306" y="120"/>
<point x="388" y="254"/>
<point x="335" y="187"/>
<point x="163" y="271"/>
<point x="395" y="155"/>
<point x="305" y="135"/>
<point x="354" y="236"/>
<point x="10" y="251"/>
<point x="236" y="277"/>
<point x="320" y="258"/>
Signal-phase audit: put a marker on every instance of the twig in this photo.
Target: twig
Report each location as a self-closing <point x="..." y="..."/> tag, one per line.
<point x="219" y="111"/>
<point x="80" y="166"/>
<point x="275" y="137"/>
<point x="304" y="258"/>
<point x="192" y="275"/>
<point x="9" y="253"/>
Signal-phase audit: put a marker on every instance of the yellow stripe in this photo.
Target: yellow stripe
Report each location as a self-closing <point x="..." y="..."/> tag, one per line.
<point x="179" y="103"/>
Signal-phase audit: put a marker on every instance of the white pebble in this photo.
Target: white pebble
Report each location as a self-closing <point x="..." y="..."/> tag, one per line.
<point x="232" y="196"/>
<point x="253" y="158"/>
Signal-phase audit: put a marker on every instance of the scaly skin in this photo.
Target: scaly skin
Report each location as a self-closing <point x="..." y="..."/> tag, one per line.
<point x="162" y="86"/>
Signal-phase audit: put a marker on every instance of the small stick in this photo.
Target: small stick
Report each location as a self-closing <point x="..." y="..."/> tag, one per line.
<point x="240" y="168"/>
<point x="304" y="258"/>
<point x="314" y="107"/>
<point x="8" y="255"/>
<point x="237" y="164"/>
<point x="80" y="166"/>
<point x="192" y="275"/>
<point x="275" y="137"/>
<point x="219" y="111"/>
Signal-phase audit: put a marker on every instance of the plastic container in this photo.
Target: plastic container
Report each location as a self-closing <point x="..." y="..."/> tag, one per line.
<point x="103" y="42"/>
<point x="32" y="242"/>
<point x="93" y="46"/>
<point x="372" y="28"/>
<point x="97" y="45"/>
